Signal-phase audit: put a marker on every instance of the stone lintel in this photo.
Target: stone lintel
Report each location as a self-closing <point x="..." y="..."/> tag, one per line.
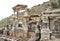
<point x="19" y="7"/>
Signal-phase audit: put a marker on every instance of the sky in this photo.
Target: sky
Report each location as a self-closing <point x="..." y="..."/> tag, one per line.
<point x="6" y="6"/>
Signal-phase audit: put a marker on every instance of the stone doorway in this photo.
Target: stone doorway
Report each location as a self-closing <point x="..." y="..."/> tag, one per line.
<point x="57" y="28"/>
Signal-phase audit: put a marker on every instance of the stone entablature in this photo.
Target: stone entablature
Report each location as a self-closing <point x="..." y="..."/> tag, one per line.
<point x="19" y="7"/>
<point x="53" y="13"/>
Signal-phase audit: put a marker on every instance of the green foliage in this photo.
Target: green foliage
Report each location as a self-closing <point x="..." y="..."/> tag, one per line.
<point x="35" y="10"/>
<point x="10" y="22"/>
<point x="54" y="5"/>
<point x="59" y="2"/>
<point x="22" y="20"/>
<point x="32" y="10"/>
<point x="1" y="24"/>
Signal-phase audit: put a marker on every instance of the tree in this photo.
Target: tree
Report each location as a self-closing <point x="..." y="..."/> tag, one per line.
<point x="1" y="24"/>
<point x="54" y="5"/>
